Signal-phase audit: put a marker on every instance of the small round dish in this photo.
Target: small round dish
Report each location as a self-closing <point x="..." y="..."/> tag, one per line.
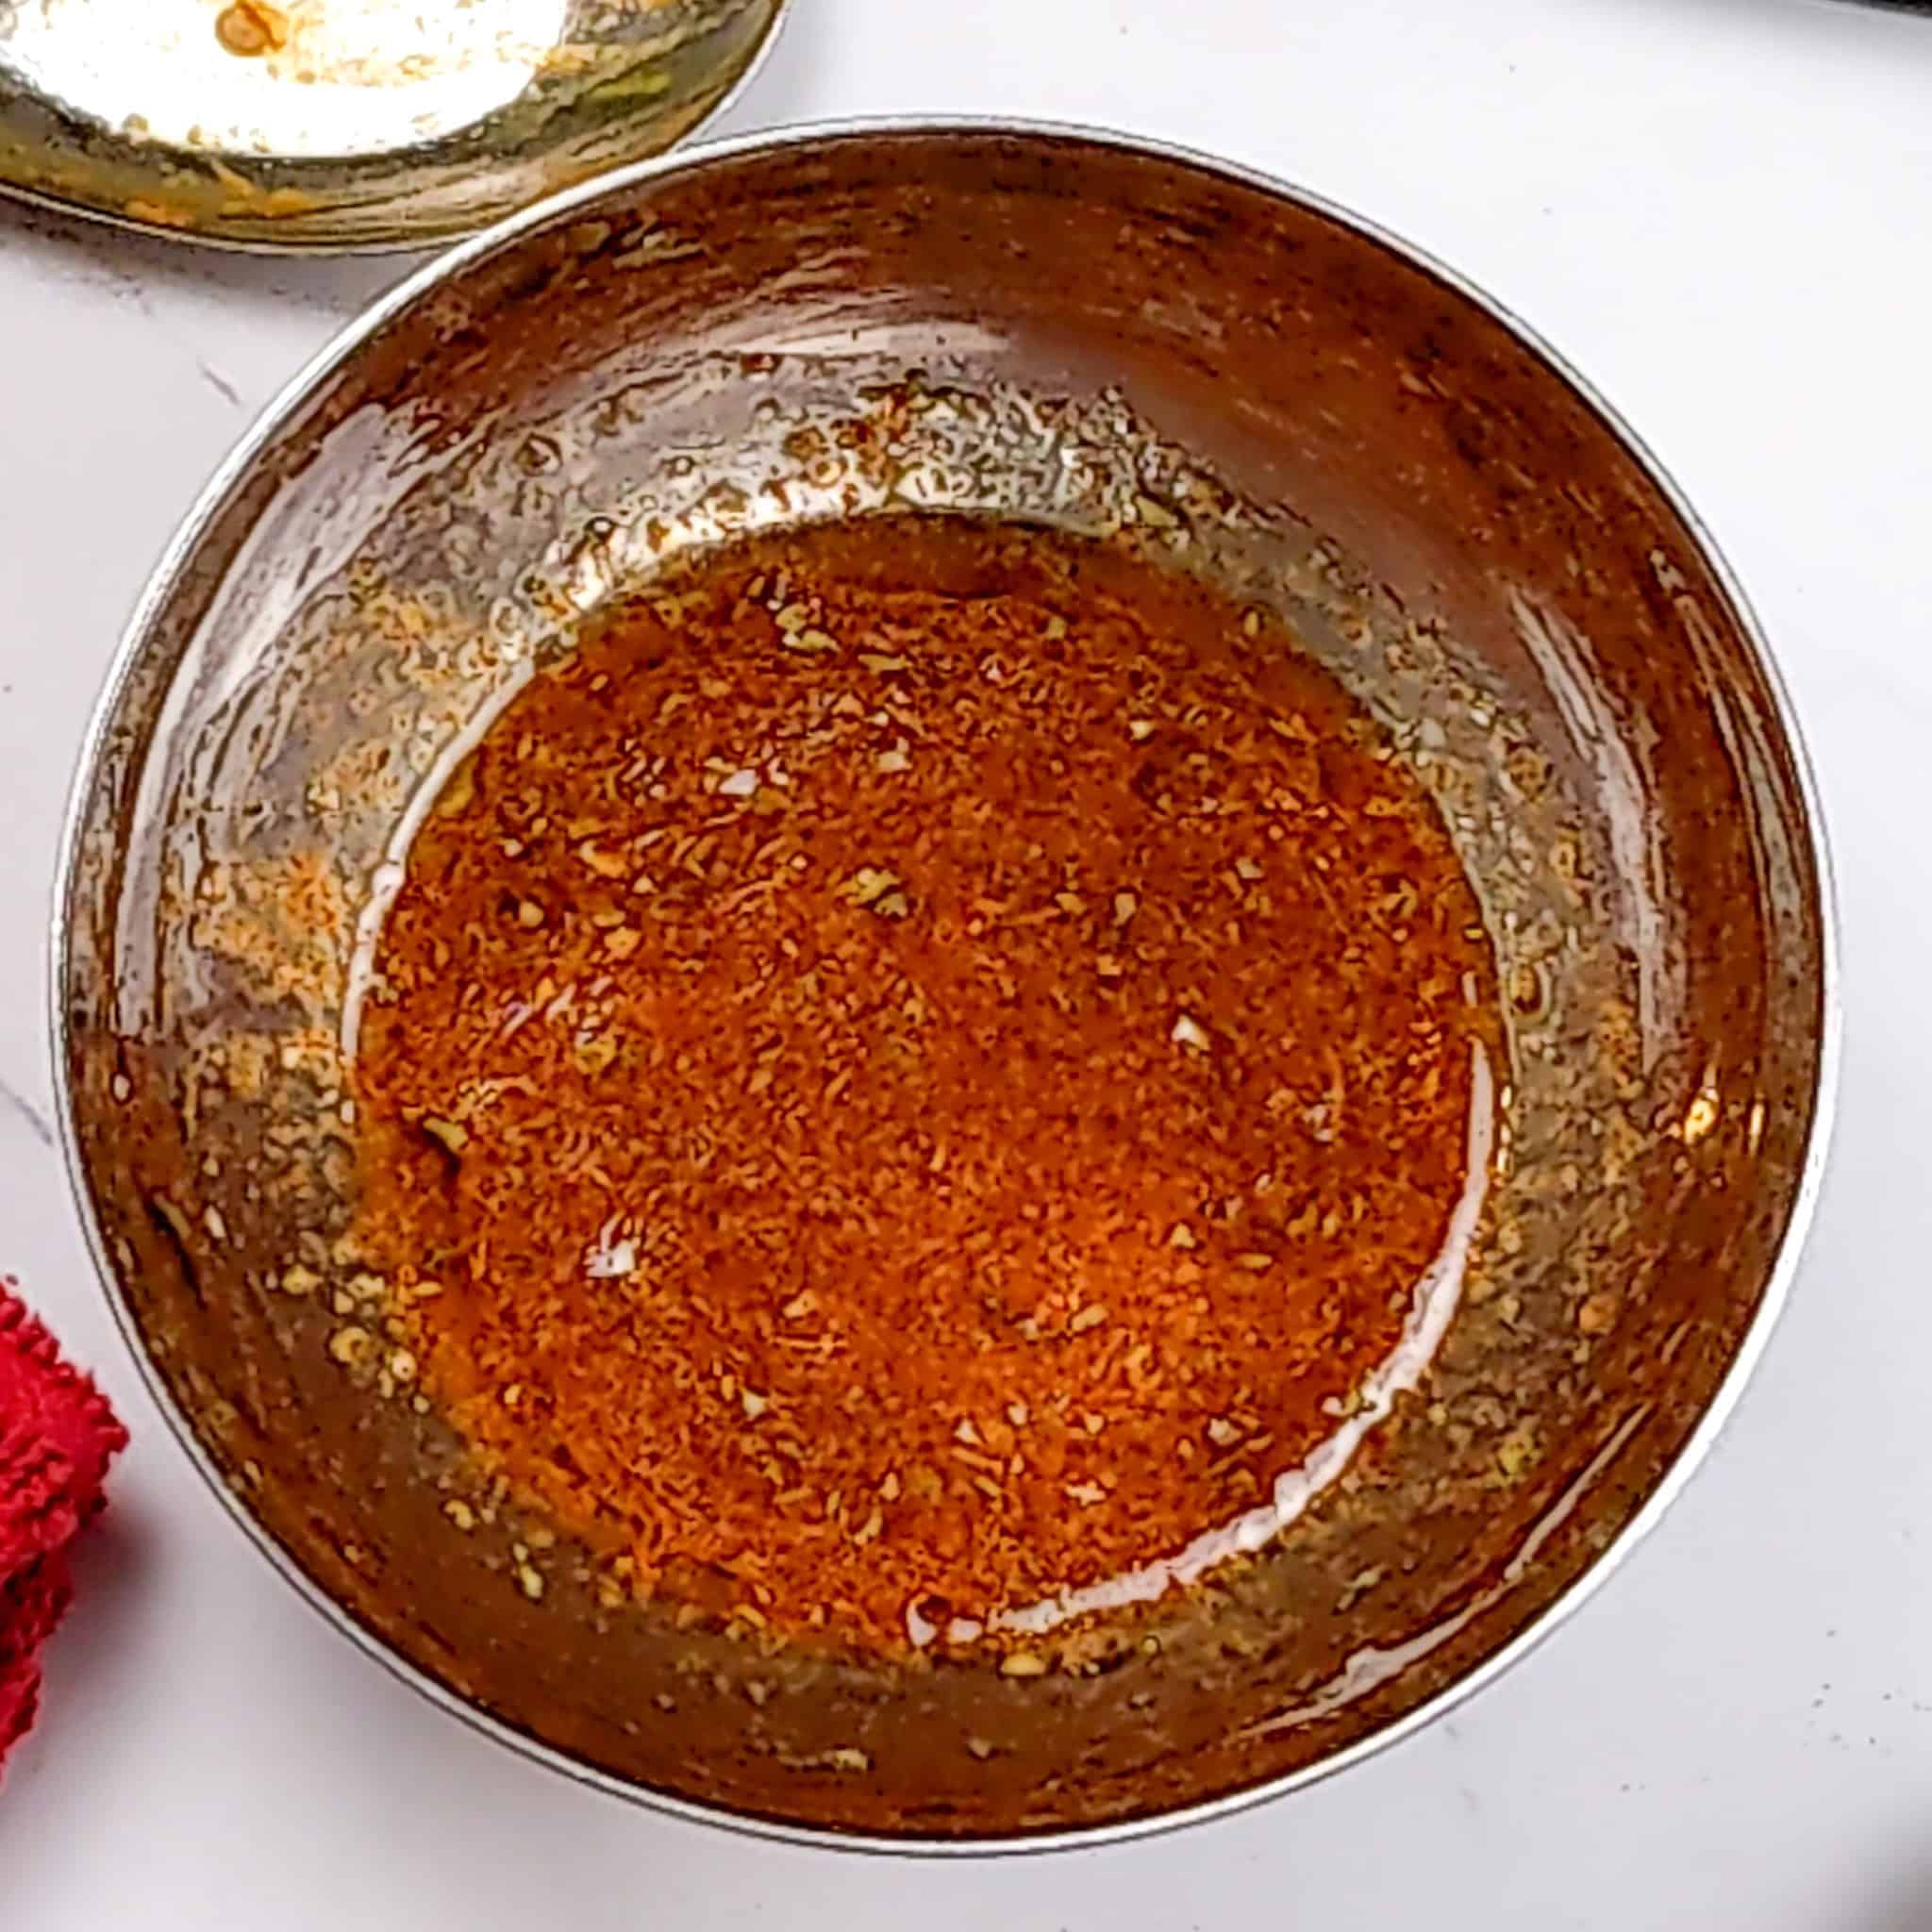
<point x="333" y="127"/>
<point x="1057" y="328"/>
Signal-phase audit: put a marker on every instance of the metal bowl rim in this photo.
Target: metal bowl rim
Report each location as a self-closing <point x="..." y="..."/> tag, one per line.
<point x="164" y="581"/>
<point x="275" y="248"/>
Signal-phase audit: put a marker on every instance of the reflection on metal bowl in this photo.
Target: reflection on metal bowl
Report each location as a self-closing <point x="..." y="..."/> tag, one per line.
<point x="1066" y="331"/>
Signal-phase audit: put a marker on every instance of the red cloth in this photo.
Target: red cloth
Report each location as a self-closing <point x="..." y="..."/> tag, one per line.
<point x="56" y="1436"/>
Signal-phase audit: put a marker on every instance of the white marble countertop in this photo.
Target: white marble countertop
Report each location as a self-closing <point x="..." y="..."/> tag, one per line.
<point x="1721" y="210"/>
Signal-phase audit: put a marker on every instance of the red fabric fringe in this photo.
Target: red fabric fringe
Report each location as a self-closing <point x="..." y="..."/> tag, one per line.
<point x="56" y="1437"/>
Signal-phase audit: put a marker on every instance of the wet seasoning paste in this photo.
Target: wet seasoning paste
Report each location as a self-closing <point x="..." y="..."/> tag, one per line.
<point x="922" y="1081"/>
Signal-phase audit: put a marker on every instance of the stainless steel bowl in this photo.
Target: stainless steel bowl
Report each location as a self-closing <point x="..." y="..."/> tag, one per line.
<point x="1066" y="328"/>
<point x="305" y="127"/>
